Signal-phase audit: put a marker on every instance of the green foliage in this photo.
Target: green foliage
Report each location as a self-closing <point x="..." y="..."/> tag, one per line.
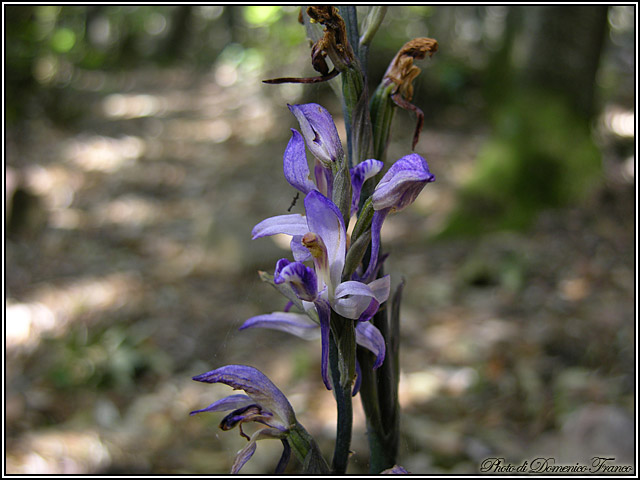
<point x="541" y="155"/>
<point x="115" y="357"/>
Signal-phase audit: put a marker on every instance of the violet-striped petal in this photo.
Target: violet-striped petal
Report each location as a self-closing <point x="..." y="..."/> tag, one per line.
<point x="324" y="179"/>
<point x="299" y="251"/>
<point x="257" y="386"/>
<point x="232" y="402"/>
<point x="293" y="224"/>
<point x="368" y="336"/>
<point x="296" y="168"/>
<point x="247" y="452"/>
<point x="400" y="186"/>
<point x="302" y="279"/>
<point x="376" y="227"/>
<point x="325" y="220"/>
<point x="319" y="132"/>
<point x="297" y="324"/>
<point x="360" y="301"/>
<point x="324" y="315"/>
<point x="360" y="174"/>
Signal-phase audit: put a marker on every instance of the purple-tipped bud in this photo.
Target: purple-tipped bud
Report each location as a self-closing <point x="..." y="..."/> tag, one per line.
<point x="402" y="183"/>
<point x="319" y="132"/>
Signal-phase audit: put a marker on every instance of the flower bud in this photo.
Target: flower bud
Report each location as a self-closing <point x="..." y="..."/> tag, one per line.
<point x="319" y="132"/>
<point x="403" y="182"/>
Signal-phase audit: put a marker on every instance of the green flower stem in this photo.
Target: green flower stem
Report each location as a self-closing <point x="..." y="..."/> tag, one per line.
<point x="372" y="23"/>
<point x="356" y="114"/>
<point x="382" y="110"/>
<point x="342" y="353"/>
<point x="379" y="391"/>
<point x="380" y="456"/>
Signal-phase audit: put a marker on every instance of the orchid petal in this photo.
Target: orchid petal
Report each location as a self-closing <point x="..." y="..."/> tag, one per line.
<point x="300" y="252"/>
<point x="325" y="220"/>
<point x="376" y="227"/>
<point x="395" y="470"/>
<point x="381" y="288"/>
<point x="247" y="452"/>
<point x="296" y="168"/>
<point x="296" y="324"/>
<point x="256" y="385"/>
<point x="243" y="457"/>
<point x="319" y="132"/>
<point x="370" y="311"/>
<point x="358" y="301"/>
<point x="293" y="224"/>
<point x="352" y="287"/>
<point x="368" y="336"/>
<point x="360" y="174"/>
<point x="324" y="314"/>
<point x="232" y="402"/>
<point x="303" y="280"/>
<point x="400" y="186"/>
<point x="324" y="179"/>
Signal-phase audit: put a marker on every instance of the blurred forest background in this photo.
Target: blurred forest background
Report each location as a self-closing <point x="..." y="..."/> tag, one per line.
<point x="142" y="147"/>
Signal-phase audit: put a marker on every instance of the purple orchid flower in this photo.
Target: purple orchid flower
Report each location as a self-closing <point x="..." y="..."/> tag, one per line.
<point x="321" y="236"/>
<point x="397" y="190"/>
<point x="321" y="137"/>
<point x="395" y="470"/>
<point x="319" y="132"/>
<point x="263" y="403"/>
<point x="360" y="174"/>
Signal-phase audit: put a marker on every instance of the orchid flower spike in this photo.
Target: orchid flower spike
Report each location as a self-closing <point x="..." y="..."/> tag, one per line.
<point x="321" y="236"/>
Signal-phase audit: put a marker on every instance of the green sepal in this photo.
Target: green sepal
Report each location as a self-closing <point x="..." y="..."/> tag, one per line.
<point x="307" y="451"/>
<point x="382" y="110"/>
<point x="356" y="254"/>
<point x="344" y="333"/>
<point x="364" y="220"/>
<point x="283" y="288"/>
<point x="342" y="190"/>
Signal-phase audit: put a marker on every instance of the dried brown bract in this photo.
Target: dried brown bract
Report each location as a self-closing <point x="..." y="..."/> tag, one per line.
<point x="333" y="44"/>
<point x="402" y="72"/>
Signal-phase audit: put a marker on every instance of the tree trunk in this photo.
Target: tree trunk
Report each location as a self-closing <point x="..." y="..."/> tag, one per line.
<point x="564" y="51"/>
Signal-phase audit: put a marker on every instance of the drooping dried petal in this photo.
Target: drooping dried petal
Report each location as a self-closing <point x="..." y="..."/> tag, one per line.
<point x="333" y="43"/>
<point x="402" y="71"/>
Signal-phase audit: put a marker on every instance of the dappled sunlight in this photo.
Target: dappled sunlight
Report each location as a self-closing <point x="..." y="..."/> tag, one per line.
<point x="420" y="387"/>
<point x="133" y="106"/>
<point x="129" y="210"/>
<point x="59" y="452"/>
<point x="620" y="122"/>
<point x="104" y="154"/>
<point x="216" y="131"/>
<point x="54" y="308"/>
